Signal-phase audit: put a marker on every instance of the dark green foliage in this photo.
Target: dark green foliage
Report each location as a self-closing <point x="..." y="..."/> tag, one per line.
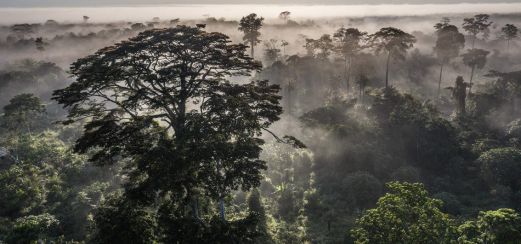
<point x="178" y="229"/>
<point x="408" y="215"/>
<point x="22" y="113"/>
<point x="502" y="166"/>
<point x="256" y="210"/>
<point x="427" y="140"/>
<point x="499" y="226"/>
<point x="405" y="215"/>
<point x="22" y="190"/>
<point x="30" y="229"/>
<point x="362" y="188"/>
<point x="49" y="192"/>
<point x="118" y="220"/>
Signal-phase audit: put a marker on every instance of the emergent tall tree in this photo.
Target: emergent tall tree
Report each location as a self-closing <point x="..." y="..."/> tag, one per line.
<point x="394" y="43"/>
<point x="509" y="32"/>
<point x="324" y="45"/>
<point x="348" y="43"/>
<point x="250" y="26"/>
<point x="448" y="45"/>
<point x="162" y="102"/>
<point x="479" y="24"/>
<point x="285" y="16"/>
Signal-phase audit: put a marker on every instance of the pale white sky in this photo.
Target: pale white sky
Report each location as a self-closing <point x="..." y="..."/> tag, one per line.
<point x="235" y="11"/>
<point x="97" y="3"/>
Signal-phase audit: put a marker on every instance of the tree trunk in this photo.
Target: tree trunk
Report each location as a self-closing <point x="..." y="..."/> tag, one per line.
<point x="221" y="200"/>
<point x="387" y="70"/>
<point x="289" y="98"/>
<point x="345" y="74"/>
<point x="195" y="208"/>
<point x="473" y="41"/>
<point x="348" y="73"/>
<point x="252" y="50"/>
<point x="361" y="94"/>
<point x="471" y="78"/>
<point x="221" y="209"/>
<point x="439" y="81"/>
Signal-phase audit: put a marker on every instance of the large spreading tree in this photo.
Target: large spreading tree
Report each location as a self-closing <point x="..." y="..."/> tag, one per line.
<point x="162" y="103"/>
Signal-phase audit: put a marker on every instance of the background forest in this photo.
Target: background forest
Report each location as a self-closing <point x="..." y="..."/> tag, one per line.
<point x="370" y="130"/>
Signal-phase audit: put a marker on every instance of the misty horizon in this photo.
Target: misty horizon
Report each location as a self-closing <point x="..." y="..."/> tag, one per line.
<point x="235" y="11"/>
<point x="104" y="3"/>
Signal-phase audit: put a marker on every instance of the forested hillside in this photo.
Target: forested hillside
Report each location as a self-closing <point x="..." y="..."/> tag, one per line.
<point x="361" y="130"/>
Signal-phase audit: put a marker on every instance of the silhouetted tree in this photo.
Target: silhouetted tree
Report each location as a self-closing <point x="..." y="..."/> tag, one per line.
<point x="310" y="47"/>
<point x="22" y="30"/>
<point x="293" y="63"/>
<point x="40" y="44"/>
<point x="285" y="16"/>
<point x="271" y="51"/>
<point x="348" y="43"/>
<point x="394" y="42"/>
<point x="250" y="26"/>
<point x="459" y="94"/>
<point x="448" y="45"/>
<point x="445" y="21"/>
<point x="162" y="101"/>
<point x="479" y="24"/>
<point x="256" y="208"/>
<point x="475" y="59"/>
<point x="284" y="44"/>
<point x="324" y="45"/>
<point x="509" y="32"/>
<point x="362" y="82"/>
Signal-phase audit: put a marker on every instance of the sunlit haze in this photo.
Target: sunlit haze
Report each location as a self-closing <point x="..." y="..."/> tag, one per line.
<point x="234" y="11"/>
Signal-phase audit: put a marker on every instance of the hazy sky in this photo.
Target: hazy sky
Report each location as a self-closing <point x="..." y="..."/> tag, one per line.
<point x="94" y="3"/>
